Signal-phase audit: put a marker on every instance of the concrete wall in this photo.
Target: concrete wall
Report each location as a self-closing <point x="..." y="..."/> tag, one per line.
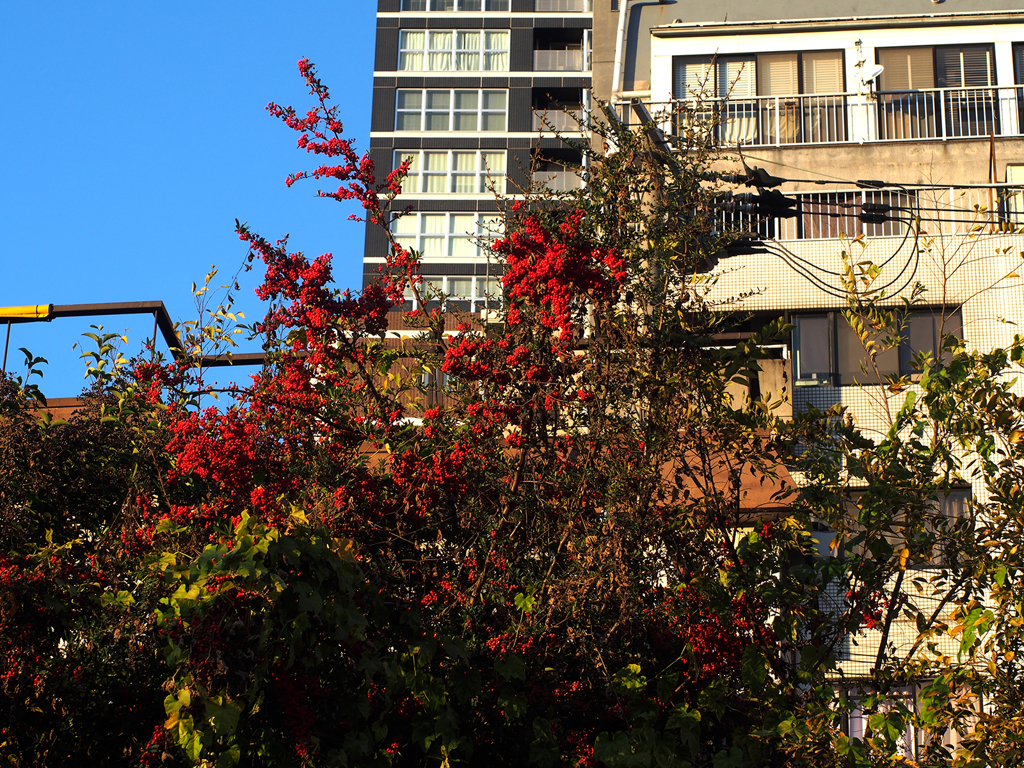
<point x="961" y="161"/>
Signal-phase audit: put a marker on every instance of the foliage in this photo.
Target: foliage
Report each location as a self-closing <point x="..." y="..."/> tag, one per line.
<point x="555" y="560"/>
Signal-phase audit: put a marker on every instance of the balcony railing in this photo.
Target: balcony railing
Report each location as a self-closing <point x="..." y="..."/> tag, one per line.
<point x="561" y="6"/>
<point x="558" y="61"/>
<point x="938" y="113"/>
<point x="941" y="211"/>
<point x="558" y="181"/>
<point x="558" y="120"/>
<point x="941" y="112"/>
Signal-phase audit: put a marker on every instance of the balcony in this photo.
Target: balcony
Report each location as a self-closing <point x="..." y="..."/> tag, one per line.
<point x="561" y="6"/>
<point x="921" y="115"/>
<point x="558" y="60"/>
<point x="559" y="120"/>
<point x="940" y="113"/>
<point x="558" y="181"/>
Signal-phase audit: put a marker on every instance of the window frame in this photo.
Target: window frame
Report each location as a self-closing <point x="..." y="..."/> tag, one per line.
<point x="488" y="180"/>
<point x="716" y="92"/>
<point x="483" y="53"/>
<point x="446" y="241"/>
<point x="426" y="111"/>
<point x="485" y="291"/>
<point x="895" y="361"/>
<point x="458" y="6"/>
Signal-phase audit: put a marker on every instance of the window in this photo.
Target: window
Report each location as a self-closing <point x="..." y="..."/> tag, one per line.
<point x="455" y="5"/>
<point x="911" y="108"/>
<point x="446" y="235"/>
<point x="769" y="98"/>
<point x="467" y="292"/>
<point x="826" y="350"/>
<point x="453" y="172"/>
<point x="446" y="51"/>
<point x="451" y="110"/>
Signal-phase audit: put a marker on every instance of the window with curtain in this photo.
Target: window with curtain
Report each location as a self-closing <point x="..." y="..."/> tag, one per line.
<point x="451" y="50"/>
<point x="446" y="235"/>
<point x="459" y="172"/>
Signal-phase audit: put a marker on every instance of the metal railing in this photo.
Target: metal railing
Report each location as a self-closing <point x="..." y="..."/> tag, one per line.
<point x="937" y="113"/>
<point x="568" y="120"/>
<point x="766" y="120"/>
<point x="561" y="6"/>
<point x="558" y="61"/>
<point x="941" y="112"/>
<point x="558" y="181"/>
<point x="943" y="211"/>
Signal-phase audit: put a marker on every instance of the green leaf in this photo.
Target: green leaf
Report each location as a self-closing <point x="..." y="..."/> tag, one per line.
<point x="754" y="667"/>
<point x="731" y="759"/>
<point x="511" y="667"/>
<point x="629" y="679"/>
<point x="223" y="716"/>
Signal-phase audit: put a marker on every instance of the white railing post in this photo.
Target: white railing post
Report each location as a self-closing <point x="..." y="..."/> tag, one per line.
<point x="1008" y="124"/>
<point x="942" y="112"/>
<point x="778" y="124"/>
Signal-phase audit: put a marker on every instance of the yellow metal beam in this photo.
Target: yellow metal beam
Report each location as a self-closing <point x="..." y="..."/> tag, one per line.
<point x="34" y="312"/>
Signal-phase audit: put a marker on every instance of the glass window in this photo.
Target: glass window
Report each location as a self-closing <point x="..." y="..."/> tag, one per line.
<point x="439" y="55"/>
<point x="826" y="350"/>
<point x="494" y="110"/>
<point x="438" y="109"/>
<point x="443" y="235"/>
<point x="411" y="182"/>
<point x="812" y="347"/>
<point x="455" y="110"/>
<point x="495" y="51"/>
<point x="410" y="50"/>
<point x="467" y="51"/>
<point x="851" y="358"/>
<point x="467" y="172"/>
<point x="465" y="6"/>
<point x="466" y="110"/>
<point x="447" y="51"/>
<point x="460" y="287"/>
<point x="410" y="108"/>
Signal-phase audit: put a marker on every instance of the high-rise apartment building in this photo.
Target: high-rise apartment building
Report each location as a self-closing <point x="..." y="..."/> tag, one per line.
<point x="469" y="91"/>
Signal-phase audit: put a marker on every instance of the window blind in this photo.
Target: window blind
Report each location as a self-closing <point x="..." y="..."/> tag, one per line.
<point x="823" y="72"/>
<point x="906" y="69"/>
<point x="736" y="78"/>
<point x="777" y="74"/>
<point x="693" y="78"/>
<point x="968" y="66"/>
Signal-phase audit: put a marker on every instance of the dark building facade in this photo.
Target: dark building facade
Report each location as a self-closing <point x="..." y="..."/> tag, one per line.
<point x="471" y="93"/>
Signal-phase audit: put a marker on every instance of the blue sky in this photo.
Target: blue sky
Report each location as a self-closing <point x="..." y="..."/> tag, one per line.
<point x="133" y="134"/>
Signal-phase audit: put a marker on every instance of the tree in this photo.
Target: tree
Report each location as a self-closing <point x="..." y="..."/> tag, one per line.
<point x="556" y="561"/>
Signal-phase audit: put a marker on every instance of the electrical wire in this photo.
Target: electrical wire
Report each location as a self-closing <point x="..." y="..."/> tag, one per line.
<point x="883" y="184"/>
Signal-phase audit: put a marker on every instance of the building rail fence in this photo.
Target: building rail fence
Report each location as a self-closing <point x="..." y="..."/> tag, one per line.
<point x="836" y="118"/>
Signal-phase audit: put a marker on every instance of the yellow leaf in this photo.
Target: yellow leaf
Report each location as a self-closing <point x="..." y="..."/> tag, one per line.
<point x="904" y="557"/>
<point x="171" y="721"/>
<point x="1016" y="436"/>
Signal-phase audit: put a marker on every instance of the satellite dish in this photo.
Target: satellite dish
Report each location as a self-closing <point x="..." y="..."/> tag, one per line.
<point x="870" y="74"/>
